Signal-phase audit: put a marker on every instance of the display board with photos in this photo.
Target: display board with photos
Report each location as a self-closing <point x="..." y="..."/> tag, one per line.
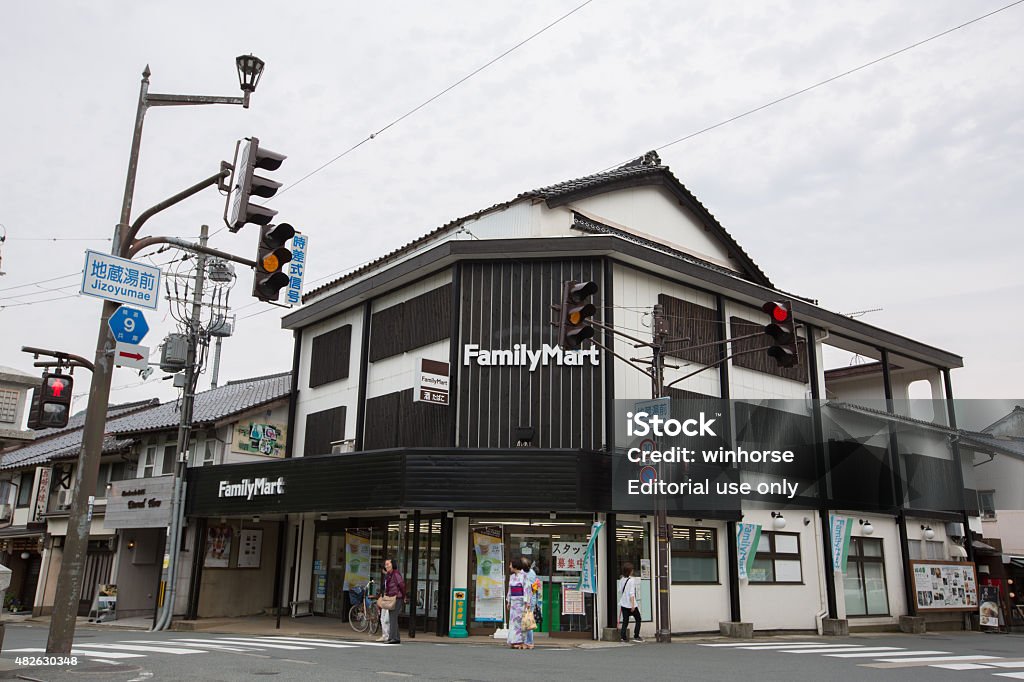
<point x="945" y="585"/>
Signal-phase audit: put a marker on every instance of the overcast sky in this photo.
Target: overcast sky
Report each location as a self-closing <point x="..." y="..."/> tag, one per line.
<point x="896" y="187"/>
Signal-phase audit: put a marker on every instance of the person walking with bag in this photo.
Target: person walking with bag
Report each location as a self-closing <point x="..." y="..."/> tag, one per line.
<point x="517" y="599"/>
<point x="629" y="603"/>
<point x="533" y="591"/>
<point x="392" y="600"/>
<point x="385" y="616"/>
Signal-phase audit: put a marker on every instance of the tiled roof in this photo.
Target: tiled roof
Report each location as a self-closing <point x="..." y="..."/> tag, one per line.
<point x="648" y="165"/>
<point x="77" y="420"/>
<point x="211" y="406"/>
<point x="1014" y="446"/>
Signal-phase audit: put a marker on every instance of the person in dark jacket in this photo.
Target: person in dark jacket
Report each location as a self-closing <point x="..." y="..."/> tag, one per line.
<point x="394" y="586"/>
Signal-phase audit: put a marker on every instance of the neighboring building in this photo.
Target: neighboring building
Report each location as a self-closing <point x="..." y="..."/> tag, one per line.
<point x="242" y="421"/>
<point x="414" y="389"/>
<point x="14" y="405"/>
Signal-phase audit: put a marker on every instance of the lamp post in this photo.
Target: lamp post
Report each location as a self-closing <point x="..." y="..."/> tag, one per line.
<point x="69" y="585"/>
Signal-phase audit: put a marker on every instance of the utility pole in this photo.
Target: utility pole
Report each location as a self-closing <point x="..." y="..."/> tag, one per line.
<point x="663" y="633"/>
<point x="188" y="397"/>
<point x="124" y="245"/>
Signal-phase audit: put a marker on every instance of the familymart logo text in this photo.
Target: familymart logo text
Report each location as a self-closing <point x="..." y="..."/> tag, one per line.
<point x="521" y="356"/>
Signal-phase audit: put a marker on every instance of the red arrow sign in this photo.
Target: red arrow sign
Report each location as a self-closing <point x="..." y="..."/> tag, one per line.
<point x="134" y="356"/>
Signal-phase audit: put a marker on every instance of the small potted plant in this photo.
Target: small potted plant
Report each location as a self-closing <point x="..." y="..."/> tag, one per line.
<point x="11" y="603"/>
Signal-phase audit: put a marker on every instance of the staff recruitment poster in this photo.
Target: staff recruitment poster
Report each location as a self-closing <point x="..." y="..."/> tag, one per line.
<point x="490" y="575"/>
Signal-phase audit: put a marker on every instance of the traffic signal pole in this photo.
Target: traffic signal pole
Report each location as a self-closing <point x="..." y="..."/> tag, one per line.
<point x="69" y="584"/>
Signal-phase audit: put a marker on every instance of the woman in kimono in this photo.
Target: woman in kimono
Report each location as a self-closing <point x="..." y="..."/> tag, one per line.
<point x="518" y="600"/>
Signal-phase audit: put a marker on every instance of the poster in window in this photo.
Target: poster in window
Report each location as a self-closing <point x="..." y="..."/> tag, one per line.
<point x="250" y="546"/>
<point x="357" y="558"/>
<point x="218" y="547"/>
<point x="572" y="600"/>
<point x="490" y="575"/>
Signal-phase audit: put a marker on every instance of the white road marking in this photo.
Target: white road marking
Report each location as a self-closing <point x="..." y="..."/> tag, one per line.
<point x="1015" y="676"/>
<point x="880" y="650"/>
<point x="309" y="642"/>
<point x="902" y="653"/>
<point x="346" y="642"/>
<point x="770" y="647"/>
<point x="936" y="659"/>
<point x="738" y="644"/>
<point x="148" y="648"/>
<point x="79" y="652"/>
<point x="1008" y="664"/>
<point x="962" y="666"/>
<point x="197" y="643"/>
<point x="260" y="643"/>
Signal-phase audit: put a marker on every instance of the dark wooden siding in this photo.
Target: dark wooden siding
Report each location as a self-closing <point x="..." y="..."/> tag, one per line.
<point x="509" y="303"/>
<point x="759" y="361"/>
<point x="322" y="429"/>
<point x="411" y="324"/>
<point x="330" y="356"/>
<point x="394" y="420"/>
<point x="694" y="322"/>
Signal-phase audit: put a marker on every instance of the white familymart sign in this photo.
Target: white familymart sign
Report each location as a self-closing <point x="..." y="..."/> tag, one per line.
<point x="247" y="488"/>
<point x="521" y="356"/>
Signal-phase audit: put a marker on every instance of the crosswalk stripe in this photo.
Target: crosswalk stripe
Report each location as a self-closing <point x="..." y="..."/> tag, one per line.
<point x="308" y="642"/>
<point x="78" y="652"/>
<point x="1015" y="676"/>
<point x="346" y="642"/>
<point x="204" y="645"/>
<point x="881" y="650"/>
<point x="961" y="666"/>
<point x="936" y="659"/>
<point x="810" y="647"/>
<point x="736" y="644"/>
<point x="272" y="645"/>
<point x="873" y="654"/>
<point x="147" y="648"/>
<point x="1008" y="664"/>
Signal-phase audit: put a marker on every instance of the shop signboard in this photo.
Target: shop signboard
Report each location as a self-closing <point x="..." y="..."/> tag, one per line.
<point x="989" y="609"/>
<point x="490" y="575"/>
<point x="139" y="503"/>
<point x="42" y="494"/>
<point x="945" y="585"/>
<point x="432" y="382"/>
<point x="264" y="437"/>
<point x="458" y="629"/>
<point x="747" y="537"/>
<point x="572" y="600"/>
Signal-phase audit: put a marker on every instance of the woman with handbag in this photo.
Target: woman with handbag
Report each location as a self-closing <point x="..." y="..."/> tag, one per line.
<point x="392" y="598"/>
<point x="518" y="601"/>
<point x="533" y="589"/>
<point x="629" y="603"/>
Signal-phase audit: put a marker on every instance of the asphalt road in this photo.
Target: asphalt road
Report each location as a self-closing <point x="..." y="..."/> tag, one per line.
<point x="121" y="656"/>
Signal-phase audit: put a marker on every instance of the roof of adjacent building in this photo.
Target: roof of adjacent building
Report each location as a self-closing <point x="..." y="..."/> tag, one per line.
<point x="644" y="170"/>
<point x="16" y="376"/>
<point x="212" y="406"/>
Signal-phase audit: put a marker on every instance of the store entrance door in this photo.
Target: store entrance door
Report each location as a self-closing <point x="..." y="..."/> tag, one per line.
<point x="557" y="554"/>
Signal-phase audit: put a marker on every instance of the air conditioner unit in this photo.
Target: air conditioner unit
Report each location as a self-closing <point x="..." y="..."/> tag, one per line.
<point x="342" y="446"/>
<point x="64" y="498"/>
<point x="955" y="529"/>
<point x="5" y="512"/>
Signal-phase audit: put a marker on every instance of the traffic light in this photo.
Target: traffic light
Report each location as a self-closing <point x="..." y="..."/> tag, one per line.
<point x="573" y="313"/>
<point x="51" y="407"/>
<point x="244" y="184"/>
<point x="782" y="331"/>
<point x="271" y="257"/>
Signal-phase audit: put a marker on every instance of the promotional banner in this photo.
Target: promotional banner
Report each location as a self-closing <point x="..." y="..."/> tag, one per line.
<point x="989" y="608"/>
<point x="841" y="529"/>
<point x="747" y="537"/>
<point x="259" y="438"/>
<point x="588" y="579"/>
<point x="357" y="558"/>
<point x="490" y="575"/>
<point x="218" y="546"/>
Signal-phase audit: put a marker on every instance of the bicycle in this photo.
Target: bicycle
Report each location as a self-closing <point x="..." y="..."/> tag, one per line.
<point x="364" y="614"/>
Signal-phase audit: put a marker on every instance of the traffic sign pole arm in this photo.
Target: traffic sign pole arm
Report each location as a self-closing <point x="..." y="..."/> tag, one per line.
<point x="190" y="246"/>
<point x="62" y="358"/>
<point x="128" y="238"/>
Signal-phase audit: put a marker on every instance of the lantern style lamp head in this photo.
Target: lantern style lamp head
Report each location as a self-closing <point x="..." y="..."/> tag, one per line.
<point x="867" y="528"/>
<point x="250" y="68"/>
<point x="779" y="521"/>
<point x="928" y="532"/>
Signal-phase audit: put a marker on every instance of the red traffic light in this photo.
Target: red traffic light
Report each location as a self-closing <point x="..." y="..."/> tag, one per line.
<point x="57" y="386"/>
<point x="779" y="312"/>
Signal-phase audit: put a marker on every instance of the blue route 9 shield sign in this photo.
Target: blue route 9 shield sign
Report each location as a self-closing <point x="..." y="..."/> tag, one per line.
<point x="128" y="325"/>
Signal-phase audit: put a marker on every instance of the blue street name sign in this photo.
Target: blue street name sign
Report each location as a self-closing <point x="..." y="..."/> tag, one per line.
<point x="128" y="325"/>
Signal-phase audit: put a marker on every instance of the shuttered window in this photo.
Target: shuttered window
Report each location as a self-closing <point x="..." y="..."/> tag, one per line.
<point x="322" y="429"/>
<point x="412" y="324"/>
<point x="330" y="356"/>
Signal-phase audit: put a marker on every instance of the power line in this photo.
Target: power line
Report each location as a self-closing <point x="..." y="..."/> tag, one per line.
<point x="59" y="239"/>
<point x="43" y="281"/>
<point x="829" y="80"/>
<point x="437" y="96"/>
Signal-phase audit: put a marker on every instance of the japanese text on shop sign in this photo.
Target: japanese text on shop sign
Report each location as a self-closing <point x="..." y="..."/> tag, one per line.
<point x="568" y="556"/>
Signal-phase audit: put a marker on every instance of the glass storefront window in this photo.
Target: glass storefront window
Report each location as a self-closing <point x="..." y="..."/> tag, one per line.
<point x="864" y="585"/>
<point x="777" y="559"/>
<point x="694" y="555"/>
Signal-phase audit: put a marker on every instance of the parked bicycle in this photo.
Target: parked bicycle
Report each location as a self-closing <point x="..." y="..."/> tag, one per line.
<point x="364" y="613"/>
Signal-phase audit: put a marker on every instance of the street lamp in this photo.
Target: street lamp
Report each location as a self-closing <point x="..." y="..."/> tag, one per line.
<point x="69" y="584"/>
